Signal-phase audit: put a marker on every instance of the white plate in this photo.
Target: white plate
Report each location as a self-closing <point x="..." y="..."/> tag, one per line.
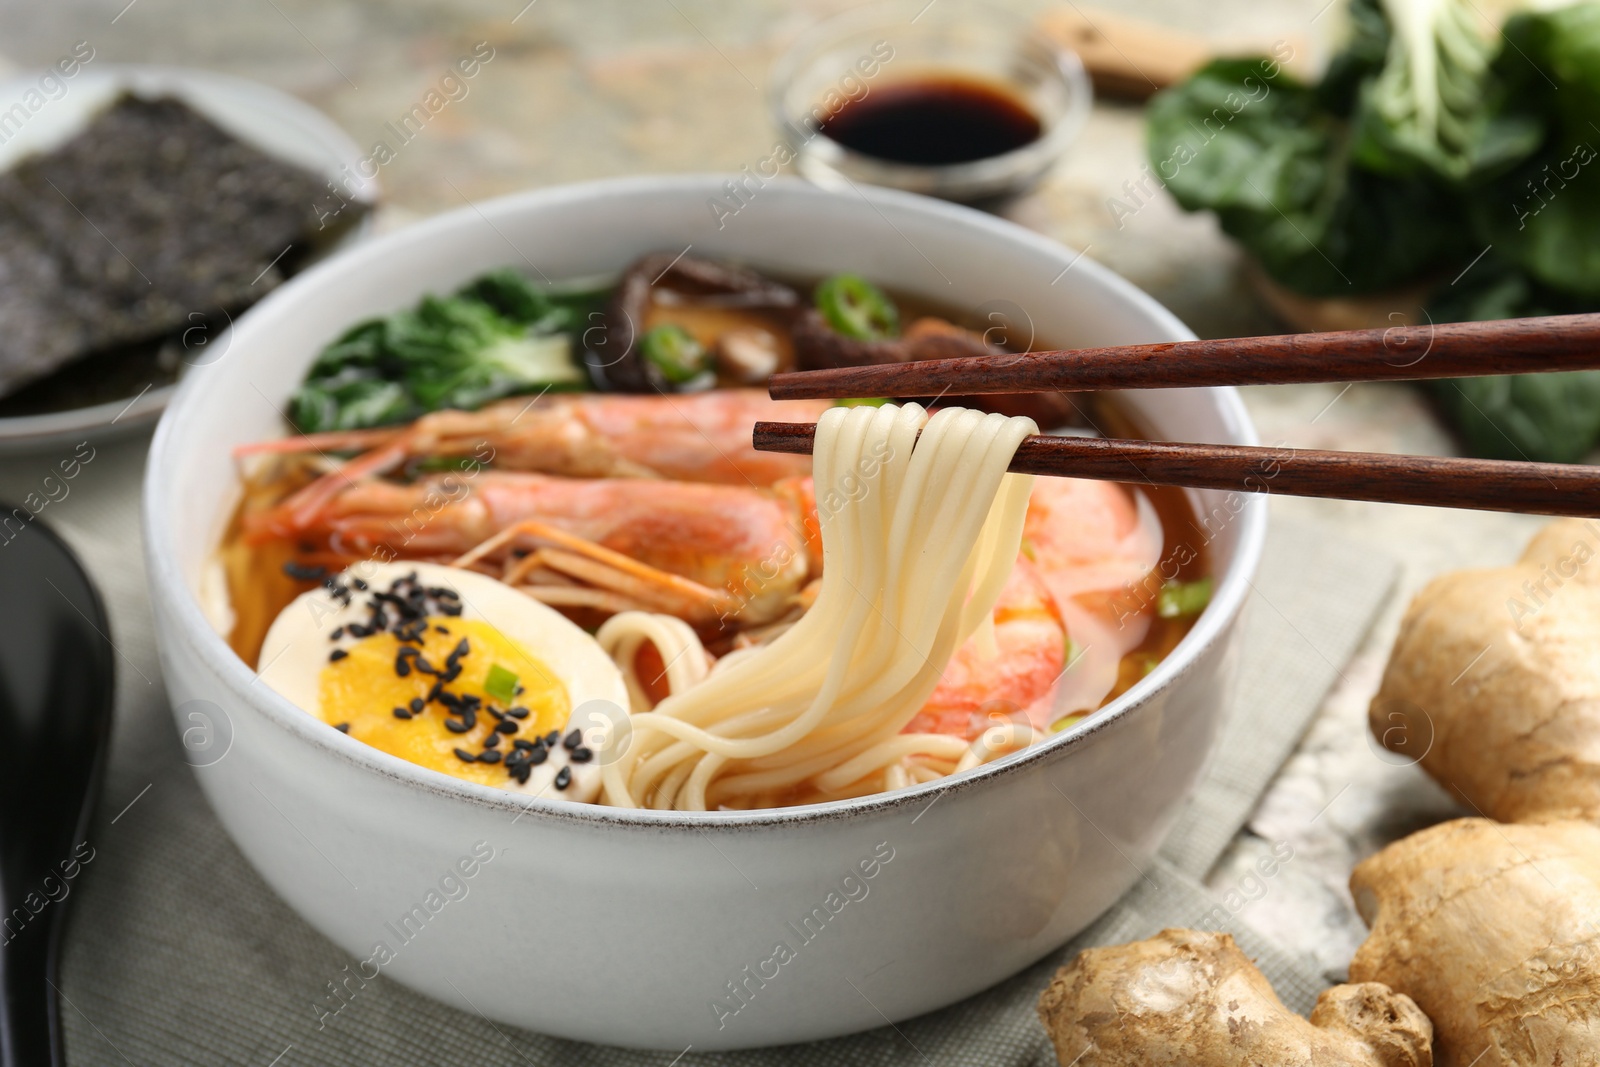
<point x="263" y="117"/>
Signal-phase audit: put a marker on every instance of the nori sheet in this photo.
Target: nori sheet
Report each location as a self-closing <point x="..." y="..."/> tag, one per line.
<point x="149" y="221"/>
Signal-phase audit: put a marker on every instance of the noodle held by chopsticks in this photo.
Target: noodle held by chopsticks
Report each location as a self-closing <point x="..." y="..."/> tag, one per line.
<point x="919" y="535"/>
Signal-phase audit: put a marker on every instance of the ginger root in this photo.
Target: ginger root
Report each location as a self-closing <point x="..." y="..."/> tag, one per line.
<point x="1494" y="931"/>
<point x="1494" y="682"/>
<point x="1189" y="998"/>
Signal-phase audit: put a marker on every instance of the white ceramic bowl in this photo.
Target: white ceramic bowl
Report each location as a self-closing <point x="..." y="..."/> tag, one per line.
<point x="662" y="929"/>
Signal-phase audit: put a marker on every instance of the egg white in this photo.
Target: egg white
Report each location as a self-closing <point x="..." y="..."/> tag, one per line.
<point x="298" y="644"/>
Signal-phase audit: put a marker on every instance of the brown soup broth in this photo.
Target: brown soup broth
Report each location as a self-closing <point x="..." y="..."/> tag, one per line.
<point x="259" y="589"/>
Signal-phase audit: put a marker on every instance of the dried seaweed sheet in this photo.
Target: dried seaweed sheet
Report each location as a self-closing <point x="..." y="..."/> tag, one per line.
<point x="149" y="220"/>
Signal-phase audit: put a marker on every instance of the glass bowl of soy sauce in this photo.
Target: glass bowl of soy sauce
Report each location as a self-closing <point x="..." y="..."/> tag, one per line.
<point x="956" y="100"/>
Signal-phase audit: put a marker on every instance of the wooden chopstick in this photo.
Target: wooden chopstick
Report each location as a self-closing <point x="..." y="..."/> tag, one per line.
<point x="1449" y="350"/>
<point x="1434" y="481"/>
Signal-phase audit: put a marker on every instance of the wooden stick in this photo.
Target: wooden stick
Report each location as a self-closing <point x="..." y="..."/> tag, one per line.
<point x="1433" y="481"/>
<point x="1448" y="350"/>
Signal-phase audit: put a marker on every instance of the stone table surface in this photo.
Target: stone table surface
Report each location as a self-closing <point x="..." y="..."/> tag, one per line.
<point x="611" y="87"/>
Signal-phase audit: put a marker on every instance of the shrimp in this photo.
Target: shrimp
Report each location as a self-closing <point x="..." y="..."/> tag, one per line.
<point x="1090" y="541"/>
<point x="714" y="551"/>
<point x="1084" y="543"/>
<point x="1012" y="675"/>
<point x="695" y="437"/>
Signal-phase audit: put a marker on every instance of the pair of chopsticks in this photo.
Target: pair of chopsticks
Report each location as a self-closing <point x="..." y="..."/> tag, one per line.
<point x="1468" y="349"/>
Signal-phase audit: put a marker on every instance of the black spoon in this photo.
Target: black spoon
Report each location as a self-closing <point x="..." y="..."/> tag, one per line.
<point x="56" y="675"/>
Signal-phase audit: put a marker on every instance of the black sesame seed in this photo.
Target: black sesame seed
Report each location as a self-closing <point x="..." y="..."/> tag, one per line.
<point x="342" y="727"/>
<point x="302" y="572"/>
<point x="564" y="778"/>
<point x="464" y="756"/>
<point x="338" y="632"/>
<point x="442" y="630"/>
<point x="471" y="700"/>
<point x="336" y="655"/>
<point x="496" y="714"/>
<point x="417" y="704"/>
<point x="572" y="740"/>
<point x="506" y="726"/>
<point x="401" y="713"/>
<point x="359" y="584"/>
<point x="553" y="738"/>
<point x="582" y="754"/>
<point x="462" y="648"/>
<point x="537" y="756"/>
<point x="401" y="667"/>
<point x="492" y="741"/>
<point x="517" y="713"/>
<point x="521" y="743"/>
<point x="456" y="727"/>
<point x="489" y="756"/>
<point x="450" y="609"/>
<point x="520" y="772"/>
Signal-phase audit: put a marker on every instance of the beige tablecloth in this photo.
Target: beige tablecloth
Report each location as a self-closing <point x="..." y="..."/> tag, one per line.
<point x="177" y="953"/>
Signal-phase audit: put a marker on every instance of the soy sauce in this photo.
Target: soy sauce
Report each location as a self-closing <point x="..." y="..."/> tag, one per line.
<point x="933" y="121"/>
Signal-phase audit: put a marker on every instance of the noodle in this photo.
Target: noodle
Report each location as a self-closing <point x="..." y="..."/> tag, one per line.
<point x="919" y="535"/>
<point x="682" y="655"/>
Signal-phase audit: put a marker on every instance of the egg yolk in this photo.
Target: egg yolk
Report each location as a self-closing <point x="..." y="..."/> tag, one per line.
<point x="365" y="687"/>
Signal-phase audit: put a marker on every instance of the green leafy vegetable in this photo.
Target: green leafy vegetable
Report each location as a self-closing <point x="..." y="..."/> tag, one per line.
<point x="1544" y="213"/>
<point x="856" y="308"/>
<point x="1430" y="152"/>
<point x="1262" y="154"/>
<point x="497" y="337"/>
<point x="1423" y="109"/>
<point x="860" y="402"/>
<point x="501" y="684"/>
<point x="1361" y="59"/>
<point x="1551" y="417"/>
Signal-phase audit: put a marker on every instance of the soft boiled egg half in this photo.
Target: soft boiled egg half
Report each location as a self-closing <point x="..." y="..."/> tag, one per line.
<point x="449" y="669"/>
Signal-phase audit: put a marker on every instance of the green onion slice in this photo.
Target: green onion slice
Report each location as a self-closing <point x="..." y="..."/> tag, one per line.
<point x="1182" y="600"/>
<point x="675" y="353"/>
<point x="856" y="308"/>
<point x="501" y="684"/>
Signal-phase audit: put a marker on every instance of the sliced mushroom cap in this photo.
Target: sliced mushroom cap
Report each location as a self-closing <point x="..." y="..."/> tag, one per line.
<point x="615" y="355"/>
<point x="748" y="356"/>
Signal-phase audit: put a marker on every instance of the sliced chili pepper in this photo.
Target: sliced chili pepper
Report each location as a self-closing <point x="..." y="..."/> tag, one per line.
<point x="675" y="353"/>
<point x="856" y="308"/>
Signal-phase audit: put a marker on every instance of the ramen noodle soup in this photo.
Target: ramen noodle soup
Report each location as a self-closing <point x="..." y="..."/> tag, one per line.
<point x="524" y="540"/>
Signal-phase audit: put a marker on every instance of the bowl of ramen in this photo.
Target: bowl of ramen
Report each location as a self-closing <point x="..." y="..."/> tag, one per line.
<point x="516" y="671"/>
